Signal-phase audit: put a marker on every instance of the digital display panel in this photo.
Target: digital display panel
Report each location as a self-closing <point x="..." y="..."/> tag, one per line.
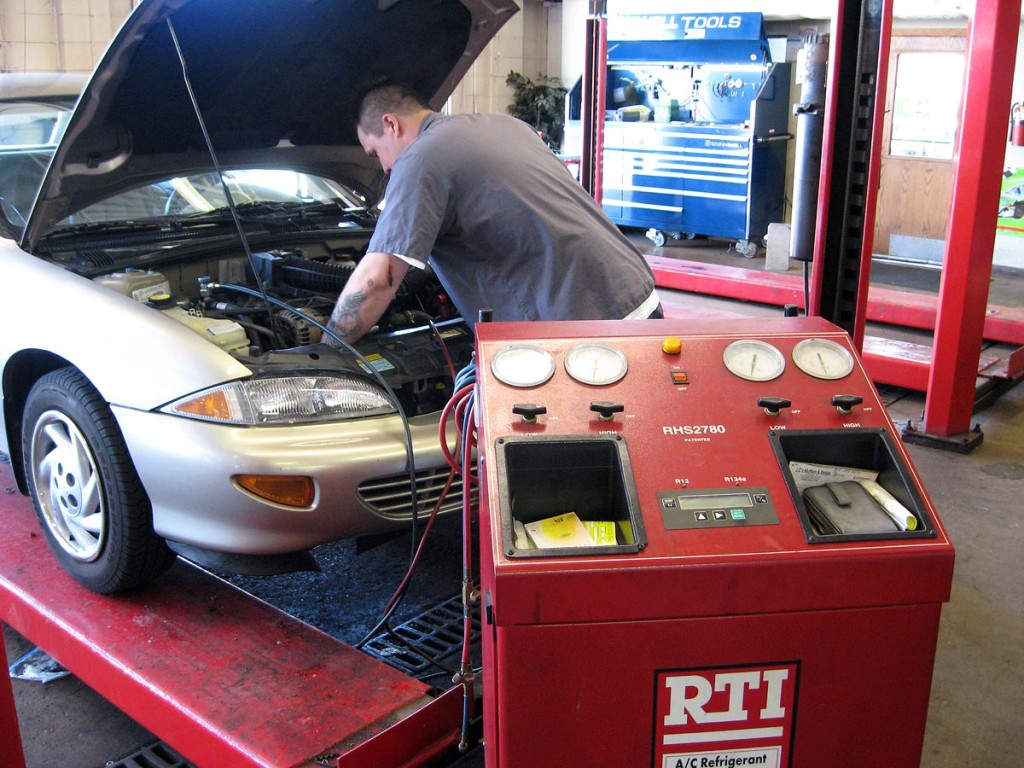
<point x="715" y="500"/>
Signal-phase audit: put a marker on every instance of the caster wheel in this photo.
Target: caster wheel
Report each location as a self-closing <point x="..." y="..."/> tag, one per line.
<point x="746" y="249"/>
<point x="657" y="237"/>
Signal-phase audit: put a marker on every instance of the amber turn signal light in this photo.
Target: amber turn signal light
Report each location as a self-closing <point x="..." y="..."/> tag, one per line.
<point x="289" y="490"/>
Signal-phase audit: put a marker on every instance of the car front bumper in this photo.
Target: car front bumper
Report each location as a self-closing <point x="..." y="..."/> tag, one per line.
<point x="187" y="467"/>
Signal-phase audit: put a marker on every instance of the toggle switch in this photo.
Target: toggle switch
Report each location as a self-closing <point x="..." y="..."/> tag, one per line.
<point x="529" y="411"/>
<point x="773" y="405"/>
<point x="606" y="410"/>
<point x="845" y="403"/>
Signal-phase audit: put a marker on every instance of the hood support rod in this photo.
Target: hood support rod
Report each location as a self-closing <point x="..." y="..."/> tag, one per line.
<point x="220" y="176"/>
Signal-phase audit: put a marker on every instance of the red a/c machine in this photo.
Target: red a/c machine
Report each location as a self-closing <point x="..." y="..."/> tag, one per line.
<point x="727" y="620"/>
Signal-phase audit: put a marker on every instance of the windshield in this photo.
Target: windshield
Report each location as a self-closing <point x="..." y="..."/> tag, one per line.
<point x="32" y="125"/>
<point x="29" y="132"/>
<point x="203" y="194"/>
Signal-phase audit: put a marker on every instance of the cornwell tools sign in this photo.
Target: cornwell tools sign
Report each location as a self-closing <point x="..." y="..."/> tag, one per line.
<point x="729" y="717"/>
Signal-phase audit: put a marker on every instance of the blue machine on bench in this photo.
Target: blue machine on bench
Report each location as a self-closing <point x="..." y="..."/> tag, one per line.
<point x="695" y="126"/>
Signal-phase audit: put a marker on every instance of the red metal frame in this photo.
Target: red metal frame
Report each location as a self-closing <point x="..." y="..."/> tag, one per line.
<point x="874" y="172"/>
<point x="221" y="677"/>
<point x="10" y="734"/>
<point x="885" y="305"/>
<point x="959" y="316"/>
<point x="825" y="175"/>
<point x="977" y="168"/>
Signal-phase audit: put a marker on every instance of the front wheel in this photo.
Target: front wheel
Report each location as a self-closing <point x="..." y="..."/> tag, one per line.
<point x="95" y="514"/>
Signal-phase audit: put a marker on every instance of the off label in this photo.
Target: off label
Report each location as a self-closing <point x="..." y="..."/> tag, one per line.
<point x="725" y="717"/>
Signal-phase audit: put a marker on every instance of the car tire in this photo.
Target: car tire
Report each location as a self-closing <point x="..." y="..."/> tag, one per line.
<point x="93" y="509"/>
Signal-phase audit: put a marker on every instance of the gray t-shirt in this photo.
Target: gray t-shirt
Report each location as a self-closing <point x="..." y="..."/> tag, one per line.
<point x="505" y="226"/>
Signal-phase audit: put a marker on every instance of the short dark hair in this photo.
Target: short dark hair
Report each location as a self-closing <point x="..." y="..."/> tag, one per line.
<point x="392" y="97"/>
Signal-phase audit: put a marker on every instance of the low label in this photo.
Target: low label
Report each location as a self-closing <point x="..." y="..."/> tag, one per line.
<point x="725" y="717"/>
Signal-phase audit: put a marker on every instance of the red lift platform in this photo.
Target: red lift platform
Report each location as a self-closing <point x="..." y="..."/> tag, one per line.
<point x="221" y="677"/>
<point x="896" y="363"/>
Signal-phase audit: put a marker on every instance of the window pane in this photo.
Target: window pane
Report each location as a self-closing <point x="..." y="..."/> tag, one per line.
<point x="925" y="104"/>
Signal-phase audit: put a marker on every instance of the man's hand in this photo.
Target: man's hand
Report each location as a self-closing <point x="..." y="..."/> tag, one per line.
<point x="366" y="296"/>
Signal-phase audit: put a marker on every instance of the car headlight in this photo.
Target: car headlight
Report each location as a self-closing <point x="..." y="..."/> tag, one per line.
<point x="285" y="400"/>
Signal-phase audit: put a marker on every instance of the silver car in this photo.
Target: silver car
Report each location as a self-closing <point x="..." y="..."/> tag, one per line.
<point x="163" y="283"/>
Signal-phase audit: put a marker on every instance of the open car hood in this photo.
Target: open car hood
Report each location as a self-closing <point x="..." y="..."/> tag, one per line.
<point x="278" y="84"/>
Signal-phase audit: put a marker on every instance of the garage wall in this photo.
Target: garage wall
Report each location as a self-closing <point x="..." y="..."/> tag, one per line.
<point x="71" y="35"/>
<point x="526" y="44"/>
<point x="57" y="35"/>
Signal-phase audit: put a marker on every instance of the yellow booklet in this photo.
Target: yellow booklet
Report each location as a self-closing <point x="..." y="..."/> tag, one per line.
<point x="602" y="532"/>
<point x="560" y="531"/>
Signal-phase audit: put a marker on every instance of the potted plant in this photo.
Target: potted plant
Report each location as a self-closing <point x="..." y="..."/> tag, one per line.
<point x="541" y="103"/>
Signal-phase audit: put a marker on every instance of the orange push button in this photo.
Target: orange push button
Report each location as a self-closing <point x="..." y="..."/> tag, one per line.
<point x="672" y="345"/>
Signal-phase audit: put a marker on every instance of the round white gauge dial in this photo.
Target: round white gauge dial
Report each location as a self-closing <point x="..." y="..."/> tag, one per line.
<point x="595" y="364"/>
<point x="522" y="365"/>
<point x="823" y="358"/>
<point x="754" y="360"/>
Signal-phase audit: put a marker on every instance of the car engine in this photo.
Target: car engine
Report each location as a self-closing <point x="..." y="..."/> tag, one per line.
<point x="417" y="347"/>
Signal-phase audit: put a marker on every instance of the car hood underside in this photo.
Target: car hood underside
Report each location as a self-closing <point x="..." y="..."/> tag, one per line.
<point x="277" y="85"/>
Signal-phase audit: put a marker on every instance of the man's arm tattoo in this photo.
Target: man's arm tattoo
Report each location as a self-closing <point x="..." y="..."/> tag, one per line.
<point x="345" y="319"/>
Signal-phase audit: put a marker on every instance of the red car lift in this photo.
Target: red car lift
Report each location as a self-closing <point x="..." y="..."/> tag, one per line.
<point x="901" y="364"/>
<point x="846" y="203"/>
<point x="221" y="677"/>
<point x="977" y="168"/>
<point x="849" y="192"/>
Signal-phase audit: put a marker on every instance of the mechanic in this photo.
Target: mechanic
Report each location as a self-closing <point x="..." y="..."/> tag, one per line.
<point x="503" y="224"/>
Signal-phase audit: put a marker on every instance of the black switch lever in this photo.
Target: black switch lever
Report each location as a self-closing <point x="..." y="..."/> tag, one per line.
<point x="844" y="403"/>
<point x="607" y="410"/>
<point x="773" y="405"/>
<point x="529" y="411"/>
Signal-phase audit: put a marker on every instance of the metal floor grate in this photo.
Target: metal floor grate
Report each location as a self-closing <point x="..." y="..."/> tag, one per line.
<point x="155" y="755"/>
<point x="437" y="632"/>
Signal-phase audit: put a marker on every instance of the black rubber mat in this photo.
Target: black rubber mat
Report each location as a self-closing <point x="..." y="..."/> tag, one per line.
<point x="437" y="633"/>
<point x="155" y="755"/>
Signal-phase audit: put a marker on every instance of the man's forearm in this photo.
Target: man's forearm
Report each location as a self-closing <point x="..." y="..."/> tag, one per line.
<point x="366" y="297"/>
<point x="346" y="319"/>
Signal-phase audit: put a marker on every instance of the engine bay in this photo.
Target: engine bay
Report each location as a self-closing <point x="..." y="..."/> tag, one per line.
<point x="417" y="347"/>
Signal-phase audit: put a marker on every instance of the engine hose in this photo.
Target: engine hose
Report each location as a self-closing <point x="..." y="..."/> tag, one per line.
<point x="470" y="594"/>
<point x="312" y="275"/>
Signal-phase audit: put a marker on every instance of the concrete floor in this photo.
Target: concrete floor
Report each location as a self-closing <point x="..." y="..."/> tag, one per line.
<point x="977" y="703"/>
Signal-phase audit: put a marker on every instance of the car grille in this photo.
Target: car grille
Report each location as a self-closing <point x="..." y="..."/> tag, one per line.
<point x="391" y="497"/>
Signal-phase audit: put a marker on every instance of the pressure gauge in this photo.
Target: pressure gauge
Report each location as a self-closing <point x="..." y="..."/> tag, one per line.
<point x="522" y="365"/>
<point x="823" y="358"/>
<point x="754" y="360"/>
<point x="595" y="364"/>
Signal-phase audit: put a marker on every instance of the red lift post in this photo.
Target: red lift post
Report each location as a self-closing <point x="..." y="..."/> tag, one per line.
<point x="949" y="374"/>
<point x="977" y="170"/>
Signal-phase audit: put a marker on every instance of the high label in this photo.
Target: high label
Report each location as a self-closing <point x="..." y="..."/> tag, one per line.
<point x="725" y="717"/>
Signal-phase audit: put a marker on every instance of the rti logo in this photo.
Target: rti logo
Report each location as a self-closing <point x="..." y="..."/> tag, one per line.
<point x="689" y="695"/>
<point x="740" y="716"/>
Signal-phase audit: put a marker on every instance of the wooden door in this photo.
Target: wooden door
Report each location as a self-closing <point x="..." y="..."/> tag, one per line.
<point x="923" y="96"/>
